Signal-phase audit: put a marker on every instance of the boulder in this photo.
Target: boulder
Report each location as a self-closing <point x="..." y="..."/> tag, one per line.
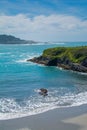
<point x="84" y="62"/>
<point x="43" y="92"/>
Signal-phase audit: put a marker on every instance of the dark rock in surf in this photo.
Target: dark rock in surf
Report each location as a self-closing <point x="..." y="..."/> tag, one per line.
<point x="43" y="92"/>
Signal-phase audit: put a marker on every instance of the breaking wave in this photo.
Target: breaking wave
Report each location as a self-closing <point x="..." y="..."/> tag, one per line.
<point x="11" y="108"/>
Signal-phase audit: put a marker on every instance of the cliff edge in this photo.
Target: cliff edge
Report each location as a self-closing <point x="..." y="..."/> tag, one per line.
<point x="70" y="58"/>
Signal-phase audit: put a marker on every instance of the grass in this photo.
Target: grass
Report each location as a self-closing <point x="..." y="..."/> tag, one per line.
<point x="74" y="54"/>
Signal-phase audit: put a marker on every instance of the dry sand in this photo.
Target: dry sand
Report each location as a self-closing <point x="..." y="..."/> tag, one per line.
<point x="81" y="121"/>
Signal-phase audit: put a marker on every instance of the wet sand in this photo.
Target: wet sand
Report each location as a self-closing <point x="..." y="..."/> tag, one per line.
<point x="73" y="118"/>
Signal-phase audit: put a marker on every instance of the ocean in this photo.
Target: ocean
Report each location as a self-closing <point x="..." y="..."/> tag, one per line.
<point x="20" y="82"/>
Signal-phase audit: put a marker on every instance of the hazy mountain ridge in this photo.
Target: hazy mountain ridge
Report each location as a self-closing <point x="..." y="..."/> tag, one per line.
<point x="9" y="39"/>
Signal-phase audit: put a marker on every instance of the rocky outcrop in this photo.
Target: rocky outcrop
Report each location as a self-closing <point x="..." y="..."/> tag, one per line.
<point x="40" y="60"/>
<point x="76" y="63"/>
<point x="43" y="92"/>
<point x="84" y="62"/>
<point x="65" y="64"/>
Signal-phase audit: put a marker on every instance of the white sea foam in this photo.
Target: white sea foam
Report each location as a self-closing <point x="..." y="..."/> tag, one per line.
<point x="22" y="60"/>
<point x="10" y="108"/>
<point x="45" y="43"/>
<point x="80" y="73"/>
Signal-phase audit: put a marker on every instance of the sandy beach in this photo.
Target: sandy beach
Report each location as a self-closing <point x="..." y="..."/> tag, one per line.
<point x="81" y="121"/>
<point x="74" y="118"/>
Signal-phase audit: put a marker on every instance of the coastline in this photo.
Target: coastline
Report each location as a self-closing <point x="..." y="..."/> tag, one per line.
<point x="68" y="58"/>
<point x="58" y="119"/>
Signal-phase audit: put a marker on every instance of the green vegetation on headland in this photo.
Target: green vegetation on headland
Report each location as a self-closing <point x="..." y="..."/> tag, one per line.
<point x="74" y="54"/>
<point x="71" y="58"/>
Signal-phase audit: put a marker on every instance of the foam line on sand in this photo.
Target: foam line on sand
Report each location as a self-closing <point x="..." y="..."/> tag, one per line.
<point x="74" y="118"/>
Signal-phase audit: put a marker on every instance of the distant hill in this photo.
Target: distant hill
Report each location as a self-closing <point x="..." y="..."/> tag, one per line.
<point x="9" y="39"/>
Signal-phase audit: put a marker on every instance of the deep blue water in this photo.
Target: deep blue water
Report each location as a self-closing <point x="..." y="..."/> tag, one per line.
<point x="20" y="81"/>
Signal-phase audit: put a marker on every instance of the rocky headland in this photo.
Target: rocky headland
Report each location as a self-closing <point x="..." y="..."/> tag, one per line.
<point x="70" y="58"/>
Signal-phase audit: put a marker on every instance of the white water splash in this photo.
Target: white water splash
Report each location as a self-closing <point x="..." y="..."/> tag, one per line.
<point x="9" y="108"/>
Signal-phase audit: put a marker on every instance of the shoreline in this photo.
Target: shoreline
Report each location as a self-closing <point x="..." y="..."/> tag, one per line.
<point x="60" y="118"/>
<point x="68" y="58"/>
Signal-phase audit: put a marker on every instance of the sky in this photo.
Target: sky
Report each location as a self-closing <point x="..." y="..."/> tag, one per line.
<point x="44" y="20"/>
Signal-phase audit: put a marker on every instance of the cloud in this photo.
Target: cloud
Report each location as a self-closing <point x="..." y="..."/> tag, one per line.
<point x="52" y="27"/>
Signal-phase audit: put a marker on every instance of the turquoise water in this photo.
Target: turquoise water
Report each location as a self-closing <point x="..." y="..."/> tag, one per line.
<point x="21" y="80"/>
